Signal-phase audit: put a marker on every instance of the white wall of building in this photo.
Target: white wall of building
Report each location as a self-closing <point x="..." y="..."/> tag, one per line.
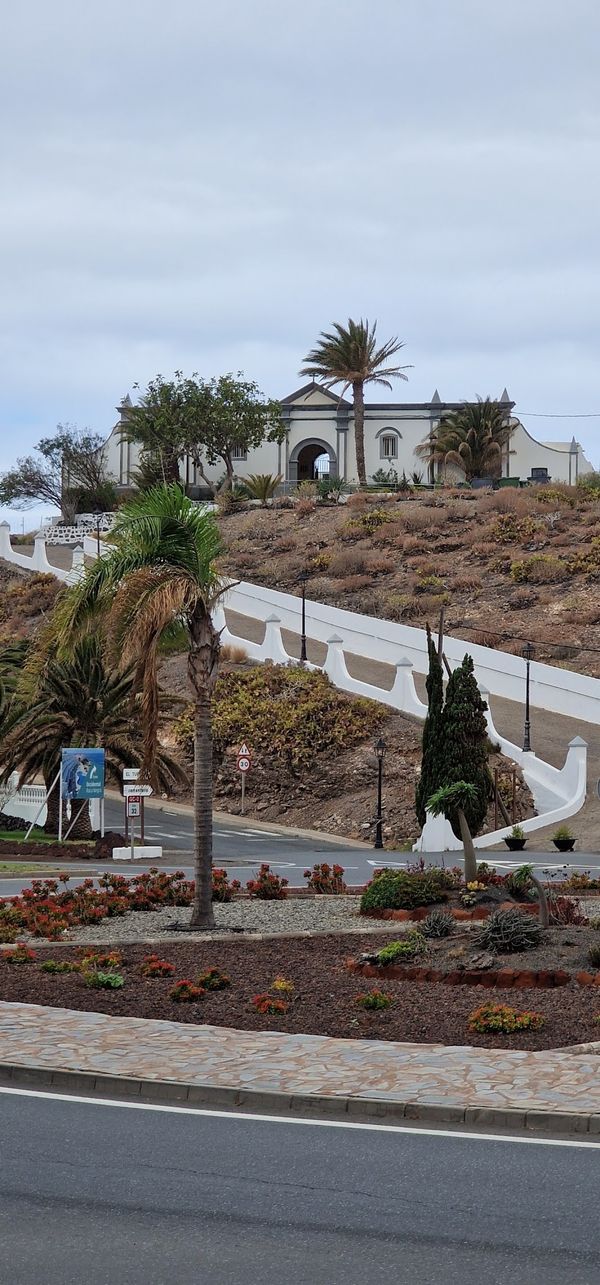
<point x="313" y="415"/>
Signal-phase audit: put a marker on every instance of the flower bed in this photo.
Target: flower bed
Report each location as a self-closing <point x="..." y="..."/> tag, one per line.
<point x="323" y="1000"/>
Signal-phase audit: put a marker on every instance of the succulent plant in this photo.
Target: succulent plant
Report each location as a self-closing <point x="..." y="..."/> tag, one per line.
<point x="439" y="923"/>
<point x="506" y="931"/>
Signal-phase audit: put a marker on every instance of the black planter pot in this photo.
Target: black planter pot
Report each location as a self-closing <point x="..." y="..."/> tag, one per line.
<point x="564" y="845"/>
<point x="515" y="845"/>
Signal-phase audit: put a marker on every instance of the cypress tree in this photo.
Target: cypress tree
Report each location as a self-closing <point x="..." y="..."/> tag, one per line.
<point x="432" y="762"/>
<point x="464" y="744"/>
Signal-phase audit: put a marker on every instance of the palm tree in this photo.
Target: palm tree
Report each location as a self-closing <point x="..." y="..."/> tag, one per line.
<point x="350" y="357"/>
<point x="472" y="438"/>
<point x="78" y="701"/>
<point x="161" y="570"/>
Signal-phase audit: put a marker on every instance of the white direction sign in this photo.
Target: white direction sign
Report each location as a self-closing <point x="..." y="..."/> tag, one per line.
<point x="131" y="773"/>
<point x="142" y="791"/>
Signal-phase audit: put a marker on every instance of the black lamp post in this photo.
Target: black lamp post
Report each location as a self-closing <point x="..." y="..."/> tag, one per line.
<point x="380" y="753"/>
<point x="302" y="578"/>
<point x="527" y="653"/>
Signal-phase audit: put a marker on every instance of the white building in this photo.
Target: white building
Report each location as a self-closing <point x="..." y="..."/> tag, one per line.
<point x="320" y="439"/>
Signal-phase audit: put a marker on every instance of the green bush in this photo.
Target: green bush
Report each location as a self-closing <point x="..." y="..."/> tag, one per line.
<point x="289" y="713"/>
<point x="539" y="569"/>
<point x="398" y="890"/>
<point x="408" y="948"/>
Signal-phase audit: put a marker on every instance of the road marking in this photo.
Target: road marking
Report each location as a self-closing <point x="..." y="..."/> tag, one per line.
<point x="295" y="1120"/>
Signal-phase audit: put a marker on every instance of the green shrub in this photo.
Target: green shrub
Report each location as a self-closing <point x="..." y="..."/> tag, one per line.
<point x="289" y="713"/>
<point x="398" y="890"/>
<point x="504" y="1019"/>
<point x="509" y="529"/>
<point x="539" y="569"/>
<point x="408" y="948"/>
<point x="103" y="981"/>
<point x="507" y="931"/>
<point x="374" y="1000"/>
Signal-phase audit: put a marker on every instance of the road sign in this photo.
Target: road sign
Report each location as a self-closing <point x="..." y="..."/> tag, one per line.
<point x="243" y="751"/>
<point x="133" y="805"/>
<point x="131" y="773"/>
<point x="143" y="791"/>
<point x="243" y="763"/>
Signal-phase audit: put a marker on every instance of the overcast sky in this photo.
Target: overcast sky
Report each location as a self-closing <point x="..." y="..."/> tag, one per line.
<point x="206" y="186"/>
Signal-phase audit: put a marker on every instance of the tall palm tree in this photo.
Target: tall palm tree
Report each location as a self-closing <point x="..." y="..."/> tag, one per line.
<point x="160" y="570"/>
<point x="471" y="438"/>
<point x="349" y="356"/>
<point x="78" y="700"/>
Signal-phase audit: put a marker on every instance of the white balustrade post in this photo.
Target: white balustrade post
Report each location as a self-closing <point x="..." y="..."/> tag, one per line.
<point x="335" y="662"/>
<point x="39" y="561"/>
<point x="5" y="544"/>
<point x="273" y="648"/>
<point x="437" y="835"/>
<point x="404" y="693"/>
<point x="77" y="565"/>
<point x="574" y="772"/>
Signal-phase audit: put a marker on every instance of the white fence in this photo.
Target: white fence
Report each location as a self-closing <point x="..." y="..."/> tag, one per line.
<point x="557" y="793"/>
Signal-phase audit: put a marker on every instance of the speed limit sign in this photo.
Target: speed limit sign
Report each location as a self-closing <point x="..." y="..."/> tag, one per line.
<point x="244" y="761"/>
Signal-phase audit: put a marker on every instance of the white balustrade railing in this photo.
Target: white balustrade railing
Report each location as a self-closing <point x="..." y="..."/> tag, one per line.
<point x="557" y="793"/>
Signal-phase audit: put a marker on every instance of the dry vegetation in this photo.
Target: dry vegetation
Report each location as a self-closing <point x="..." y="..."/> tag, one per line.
<point x="508" y="566"/>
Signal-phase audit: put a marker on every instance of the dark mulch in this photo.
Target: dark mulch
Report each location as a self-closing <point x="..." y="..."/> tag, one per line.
<point x="62" y="853"/>
<point x="325" y="992"/>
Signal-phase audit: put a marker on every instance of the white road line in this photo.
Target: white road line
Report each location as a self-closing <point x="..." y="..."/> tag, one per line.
<point x="294" y="1120"/>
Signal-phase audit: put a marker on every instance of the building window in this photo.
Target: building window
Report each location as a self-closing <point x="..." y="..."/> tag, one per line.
<point x="239" y="453"/>
<point x="389" y="446"/>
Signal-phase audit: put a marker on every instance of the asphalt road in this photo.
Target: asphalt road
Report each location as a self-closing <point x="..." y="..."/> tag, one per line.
<point x="123" y="1196"/>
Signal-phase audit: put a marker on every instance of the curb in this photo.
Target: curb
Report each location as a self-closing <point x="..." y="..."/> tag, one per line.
<point x="271" y="1101"/>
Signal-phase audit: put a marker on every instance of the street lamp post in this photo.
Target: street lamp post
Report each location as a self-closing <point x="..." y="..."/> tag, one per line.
<point x="302" y="578"/>
<point x="380" y="753"/>
<point x="527" y="653"/>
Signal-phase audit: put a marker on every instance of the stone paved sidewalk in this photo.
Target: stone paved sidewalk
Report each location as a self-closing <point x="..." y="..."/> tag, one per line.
<point x="60" y="1047"/>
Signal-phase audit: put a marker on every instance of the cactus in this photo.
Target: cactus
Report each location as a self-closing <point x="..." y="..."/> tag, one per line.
<point x="439" y="923"/>
<point x="509" y="930"/>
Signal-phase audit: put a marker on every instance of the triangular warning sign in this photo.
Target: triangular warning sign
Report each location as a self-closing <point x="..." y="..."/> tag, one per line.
<point x="243" y="751"/>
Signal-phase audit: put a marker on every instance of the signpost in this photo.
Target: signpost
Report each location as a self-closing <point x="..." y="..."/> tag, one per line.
<point x="134" y="793"/>
<point x="244" y="763"/>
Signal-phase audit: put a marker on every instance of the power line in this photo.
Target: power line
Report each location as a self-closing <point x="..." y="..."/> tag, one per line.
<point x="542" y="646"/>
<point x="538" y="414"/>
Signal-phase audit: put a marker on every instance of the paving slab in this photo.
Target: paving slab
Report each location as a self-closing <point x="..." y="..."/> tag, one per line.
<point x="272" y="1071"/>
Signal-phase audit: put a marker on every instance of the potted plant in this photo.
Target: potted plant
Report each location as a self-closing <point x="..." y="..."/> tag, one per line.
<point x="563" y="839"/>
<point x="516" y="840"/>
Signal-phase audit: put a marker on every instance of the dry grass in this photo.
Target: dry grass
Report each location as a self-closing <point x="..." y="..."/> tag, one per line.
<point x="348" y="561"/>
<point x="233" y="655"/>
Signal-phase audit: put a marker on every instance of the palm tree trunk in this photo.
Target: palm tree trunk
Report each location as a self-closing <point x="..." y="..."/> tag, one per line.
<point x="359" y="430"/>
<point x="202" y="669"/>
<point x="80" y="820"/>
<point x="468" y="847"/>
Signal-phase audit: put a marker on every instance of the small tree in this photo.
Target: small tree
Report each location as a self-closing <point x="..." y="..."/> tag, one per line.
<point x="432" y="762"/>
<point x="70" y="474"/>
<point x="209" y="420"/>
<point x="464" y="744"/>
<point x="453" y="802"/>
<point x="232" y="418"/>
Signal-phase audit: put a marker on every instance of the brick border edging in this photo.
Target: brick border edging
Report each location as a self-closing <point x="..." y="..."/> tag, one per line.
<point x="457" y="912"/>
<point x="502" y="978"/>
<point x="90" y="1084"/>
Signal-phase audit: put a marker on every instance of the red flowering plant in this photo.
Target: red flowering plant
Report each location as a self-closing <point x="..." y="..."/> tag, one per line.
<point x="154" y="966"/>
<point x="267" y="886"/>
<point x="214" y="980"/>
<point x="185" y="992"/>
<point x="268" y="1005"/>
<point x="19" y="954"/>
<point x="47" y="910"/>
<point x="326" y="879"/>
<point x="565" y="910"/>
<point x="501" y="1018"/>
<point x="223" y="888"/>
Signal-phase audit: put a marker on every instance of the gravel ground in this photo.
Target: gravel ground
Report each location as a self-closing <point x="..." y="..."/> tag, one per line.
<point x="296" y="915"/>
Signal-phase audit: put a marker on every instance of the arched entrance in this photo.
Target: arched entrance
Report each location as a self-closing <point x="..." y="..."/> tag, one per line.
<point x="312" y="460"/>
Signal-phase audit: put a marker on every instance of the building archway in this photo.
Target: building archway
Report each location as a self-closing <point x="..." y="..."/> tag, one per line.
<point x="311" y="460"/>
